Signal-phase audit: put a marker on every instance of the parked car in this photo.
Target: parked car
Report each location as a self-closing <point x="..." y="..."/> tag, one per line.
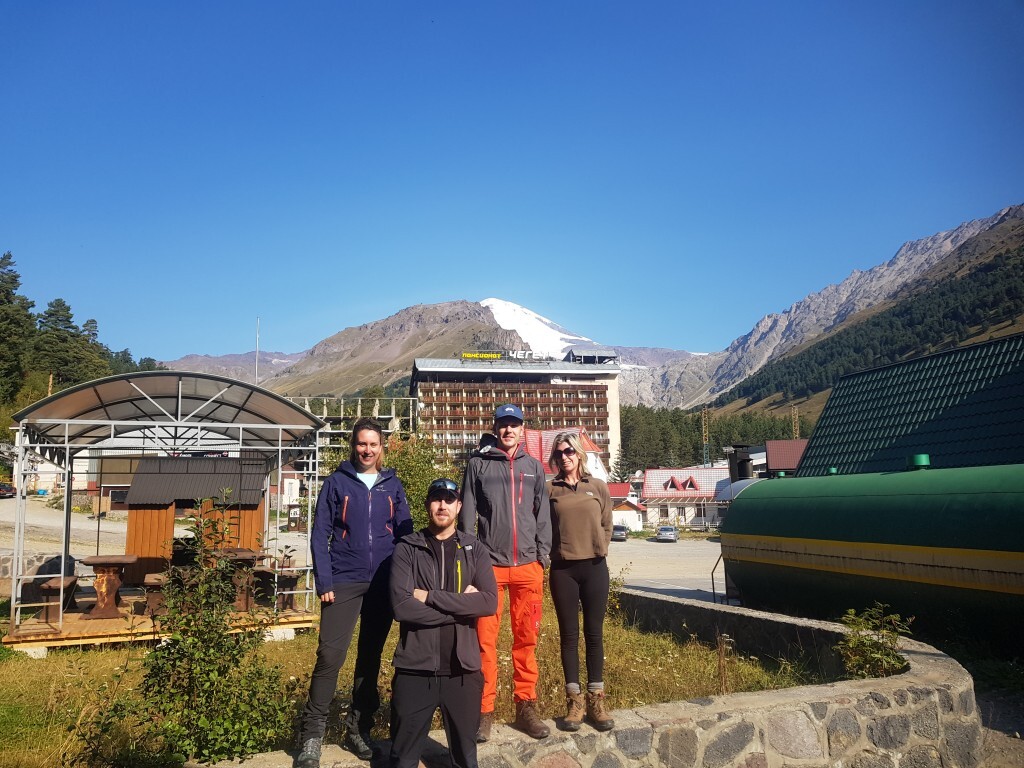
<point x="7" y="491"/>
<point x="620" y="532"/>
<point x="667" y="533"/>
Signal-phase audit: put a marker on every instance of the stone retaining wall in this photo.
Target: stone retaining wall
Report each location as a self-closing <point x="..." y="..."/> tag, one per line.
<point x="923" y="718"/>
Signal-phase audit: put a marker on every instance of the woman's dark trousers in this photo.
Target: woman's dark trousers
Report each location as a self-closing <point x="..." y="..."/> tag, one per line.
<point x="371" y="604"/>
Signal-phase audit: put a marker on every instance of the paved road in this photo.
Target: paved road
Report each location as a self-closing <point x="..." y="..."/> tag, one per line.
<point x="682" y="569"/>
<point x="105" y="536"/>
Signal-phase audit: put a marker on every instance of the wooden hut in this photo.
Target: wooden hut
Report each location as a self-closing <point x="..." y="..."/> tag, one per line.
<point x="231" y="489"/>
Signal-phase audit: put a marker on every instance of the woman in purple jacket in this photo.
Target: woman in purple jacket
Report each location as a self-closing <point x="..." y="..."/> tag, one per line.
<point x="360" y="515"/>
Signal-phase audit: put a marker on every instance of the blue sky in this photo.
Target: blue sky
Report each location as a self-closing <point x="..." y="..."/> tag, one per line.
<point x="654" y="173"/>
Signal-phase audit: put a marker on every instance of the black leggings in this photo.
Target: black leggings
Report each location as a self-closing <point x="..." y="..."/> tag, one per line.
<point x="575" y="583"/>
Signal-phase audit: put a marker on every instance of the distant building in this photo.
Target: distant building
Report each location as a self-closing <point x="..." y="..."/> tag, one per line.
<point x="683" y="495"/>
<point x="783" y="456"/>
<point x="456" y="397"/>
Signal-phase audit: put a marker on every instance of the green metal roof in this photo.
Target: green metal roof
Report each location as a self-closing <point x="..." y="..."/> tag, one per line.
<point x="964" y="408"/>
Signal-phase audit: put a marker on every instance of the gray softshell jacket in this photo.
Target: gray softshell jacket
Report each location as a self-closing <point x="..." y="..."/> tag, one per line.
<point x="505" y="502"/>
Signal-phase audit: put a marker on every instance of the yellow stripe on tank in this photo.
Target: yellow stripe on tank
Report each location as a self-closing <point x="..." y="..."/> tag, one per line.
<point x="982" y="569"/>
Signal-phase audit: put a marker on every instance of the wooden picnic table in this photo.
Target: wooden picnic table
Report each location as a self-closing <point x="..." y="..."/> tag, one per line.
<point x="109" y="570"/>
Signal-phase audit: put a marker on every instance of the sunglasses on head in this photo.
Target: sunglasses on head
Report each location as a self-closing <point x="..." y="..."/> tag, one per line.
<point x="567" y="451"/>
<point x="442" y="487"/>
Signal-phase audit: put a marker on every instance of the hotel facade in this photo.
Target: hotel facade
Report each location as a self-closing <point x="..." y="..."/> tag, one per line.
<point x="456" y="397"/>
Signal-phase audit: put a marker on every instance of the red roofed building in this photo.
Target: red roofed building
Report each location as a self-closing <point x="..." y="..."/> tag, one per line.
<point x="783" y="456"/>
<point x="683" y="496"/>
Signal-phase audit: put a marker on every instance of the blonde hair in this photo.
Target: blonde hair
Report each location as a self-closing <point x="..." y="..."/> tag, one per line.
<point x="573" y="439"/>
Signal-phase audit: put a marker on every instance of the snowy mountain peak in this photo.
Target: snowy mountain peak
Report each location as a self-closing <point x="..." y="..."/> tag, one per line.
<point x="544" y="336"/>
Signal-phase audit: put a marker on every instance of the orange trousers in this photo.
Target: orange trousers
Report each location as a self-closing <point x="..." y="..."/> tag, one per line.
<point x="525" y="584"/>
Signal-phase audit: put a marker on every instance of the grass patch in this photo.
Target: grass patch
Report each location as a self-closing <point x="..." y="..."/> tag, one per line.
<point x="44" y="697"/>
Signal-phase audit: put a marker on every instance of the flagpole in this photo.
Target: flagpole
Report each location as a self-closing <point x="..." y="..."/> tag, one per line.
<point x="256" y="375"/>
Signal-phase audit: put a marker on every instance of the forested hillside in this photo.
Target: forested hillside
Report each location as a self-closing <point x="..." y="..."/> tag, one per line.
<point x="669" y="437"/>
<point x="37" y="346"/>
<point x="939" y="315"/>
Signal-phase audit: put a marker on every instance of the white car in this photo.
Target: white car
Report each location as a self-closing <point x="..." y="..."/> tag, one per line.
<point x="667" y="533"/>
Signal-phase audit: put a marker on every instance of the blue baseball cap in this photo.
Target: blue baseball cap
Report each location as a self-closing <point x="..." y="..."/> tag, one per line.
<point x="508" y="411"/>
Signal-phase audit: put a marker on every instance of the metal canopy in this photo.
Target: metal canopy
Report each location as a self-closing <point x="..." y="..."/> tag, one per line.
<point x="169" y="408"/>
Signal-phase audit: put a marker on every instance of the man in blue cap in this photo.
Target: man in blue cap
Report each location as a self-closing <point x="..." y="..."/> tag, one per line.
<point x="505" y="502"/>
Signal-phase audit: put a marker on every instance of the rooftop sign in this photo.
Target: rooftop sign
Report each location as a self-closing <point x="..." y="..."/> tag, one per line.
<point x="511" y="354"/>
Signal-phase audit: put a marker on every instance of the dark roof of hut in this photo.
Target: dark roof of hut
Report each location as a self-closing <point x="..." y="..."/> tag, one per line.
<point x="229" y="480"/>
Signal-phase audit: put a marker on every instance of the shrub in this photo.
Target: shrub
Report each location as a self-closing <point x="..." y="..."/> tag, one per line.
<point x="206" y="693"/>
<point x="871" y="645"/>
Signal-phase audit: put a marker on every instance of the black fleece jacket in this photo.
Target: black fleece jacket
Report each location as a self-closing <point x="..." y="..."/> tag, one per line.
<point x="413" y="567"/>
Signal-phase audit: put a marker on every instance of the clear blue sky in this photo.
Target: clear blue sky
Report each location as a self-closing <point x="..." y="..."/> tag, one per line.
<point x="660" y="173"/>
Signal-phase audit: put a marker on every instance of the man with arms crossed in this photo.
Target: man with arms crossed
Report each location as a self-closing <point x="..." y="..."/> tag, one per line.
<point x="441" y="581"/>
<point x="505" y="500"/>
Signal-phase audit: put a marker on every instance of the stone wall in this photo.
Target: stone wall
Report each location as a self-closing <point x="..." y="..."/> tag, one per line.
<point x="923" y="718"/>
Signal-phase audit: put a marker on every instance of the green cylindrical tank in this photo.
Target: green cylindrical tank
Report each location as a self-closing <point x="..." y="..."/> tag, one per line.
<point x="944" y="545"/>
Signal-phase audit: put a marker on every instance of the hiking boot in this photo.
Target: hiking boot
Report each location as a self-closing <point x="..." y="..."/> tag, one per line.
<point x="528" y="721"/>
<point x="575" y="706"/>
<point x="597" y="715"/>
<point x="309" y="757"/>
<point x="359" y="744"/>
<point x="483" y="733"/>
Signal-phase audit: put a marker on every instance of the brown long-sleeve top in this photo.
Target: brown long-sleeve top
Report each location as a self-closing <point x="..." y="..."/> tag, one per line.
<point x="581" y="519"/>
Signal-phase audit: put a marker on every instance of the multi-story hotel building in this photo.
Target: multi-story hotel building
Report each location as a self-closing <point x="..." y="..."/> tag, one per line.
<point x="456" y="397"/>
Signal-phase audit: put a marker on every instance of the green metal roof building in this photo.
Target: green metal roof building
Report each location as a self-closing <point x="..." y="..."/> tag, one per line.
<point x="964" y="408"/>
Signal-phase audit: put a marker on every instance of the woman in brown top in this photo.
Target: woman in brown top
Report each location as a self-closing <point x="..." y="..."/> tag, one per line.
<point x="581" y="522"/>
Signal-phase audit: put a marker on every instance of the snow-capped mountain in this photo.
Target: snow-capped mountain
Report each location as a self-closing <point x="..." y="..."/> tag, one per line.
<point x="544" y="336"/>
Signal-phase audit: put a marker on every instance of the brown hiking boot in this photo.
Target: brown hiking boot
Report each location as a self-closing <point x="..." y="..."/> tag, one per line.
<point x="528" y="721"/>
<point x="575" y="706"/>
<point x="483" y="731"/>
<point x="597" y="715"/>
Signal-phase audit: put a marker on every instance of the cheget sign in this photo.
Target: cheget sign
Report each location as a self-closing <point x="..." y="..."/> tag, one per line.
<point x="510" y="354"/>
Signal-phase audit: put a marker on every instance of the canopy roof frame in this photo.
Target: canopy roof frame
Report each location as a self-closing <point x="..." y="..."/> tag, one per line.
<point x="169" y="412"/>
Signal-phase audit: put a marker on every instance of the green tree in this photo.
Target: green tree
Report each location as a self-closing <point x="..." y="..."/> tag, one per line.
<point x="417" y="462"/>
<point x="60" y="348"/>
<point x="17" y="329"/>
<point x="58" y="317"/>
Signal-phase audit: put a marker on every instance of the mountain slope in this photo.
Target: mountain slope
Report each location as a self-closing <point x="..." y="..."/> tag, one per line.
<point x="976" y="292"/>
<point x="383" y="351"/>
<point x="241" y="367"/>
<point x="687" y="382"/>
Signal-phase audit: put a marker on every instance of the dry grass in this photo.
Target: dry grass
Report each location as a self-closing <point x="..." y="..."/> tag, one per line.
<point x="43" y="697"/>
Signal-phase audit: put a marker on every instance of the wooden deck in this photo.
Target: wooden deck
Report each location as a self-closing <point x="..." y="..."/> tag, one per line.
<point x="133" y="626"/>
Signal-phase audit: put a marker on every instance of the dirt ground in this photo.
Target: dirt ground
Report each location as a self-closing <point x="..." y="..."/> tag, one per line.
<point x="1002" y="715"/>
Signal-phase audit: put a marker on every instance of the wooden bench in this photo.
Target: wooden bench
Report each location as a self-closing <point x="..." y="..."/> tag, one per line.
<point x="154" y="584"/>
<point x="50" y="591"/>
<point x="286" y="582"/>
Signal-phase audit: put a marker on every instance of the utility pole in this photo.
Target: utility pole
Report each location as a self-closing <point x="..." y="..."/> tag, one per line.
<point x="705" y="434"/>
